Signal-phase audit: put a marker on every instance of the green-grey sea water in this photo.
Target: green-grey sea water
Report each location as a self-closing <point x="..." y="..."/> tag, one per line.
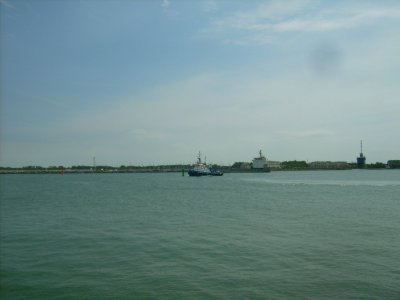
<point x="279" y="235"/>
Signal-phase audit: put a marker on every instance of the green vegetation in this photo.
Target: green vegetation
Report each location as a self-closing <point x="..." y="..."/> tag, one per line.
<point x="294" y="165"/>
<point x="241" y="165"/>
<point x="377" y="165"/>
<point x="81" y="168"/>
<point x="353" y="165"/>
<point x="394" y="164"/>
<point x="32" y="168"/>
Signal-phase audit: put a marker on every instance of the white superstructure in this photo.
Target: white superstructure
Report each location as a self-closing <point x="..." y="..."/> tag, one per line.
<point x="259" y="162"/>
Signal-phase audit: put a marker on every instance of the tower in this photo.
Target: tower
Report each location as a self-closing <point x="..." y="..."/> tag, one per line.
<point x="361" y="159"/>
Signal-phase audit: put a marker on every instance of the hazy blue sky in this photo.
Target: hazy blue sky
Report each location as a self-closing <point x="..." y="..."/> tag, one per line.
<point x="154" y="82"/>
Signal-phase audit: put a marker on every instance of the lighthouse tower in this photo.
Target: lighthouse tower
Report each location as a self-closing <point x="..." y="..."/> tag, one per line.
<point x="361" y="159"/>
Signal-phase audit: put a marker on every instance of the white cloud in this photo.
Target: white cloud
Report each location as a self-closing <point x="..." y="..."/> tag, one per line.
<point x="261" y="24"/>
<point x="210" y="6"/>
<point x="7" y="4"/>
<point x="290" y="116"/>
<point x="166" y="3"/>
<point x="335" y="22"/>
<point x="230" y="119"/>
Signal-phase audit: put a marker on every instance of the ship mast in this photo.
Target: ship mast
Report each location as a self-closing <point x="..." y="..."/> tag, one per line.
<point x="361" y="153"/>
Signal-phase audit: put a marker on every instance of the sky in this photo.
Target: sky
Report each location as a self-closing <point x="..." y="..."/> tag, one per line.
<point x="155" y="82"/>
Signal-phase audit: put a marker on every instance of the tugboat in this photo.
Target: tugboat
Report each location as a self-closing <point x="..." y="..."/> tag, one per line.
<point x="201" y="169"/>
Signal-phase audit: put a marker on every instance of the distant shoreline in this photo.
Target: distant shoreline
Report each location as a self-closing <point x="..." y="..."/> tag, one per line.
<point x="179" y="168"/>
<point x="149" y="171"/>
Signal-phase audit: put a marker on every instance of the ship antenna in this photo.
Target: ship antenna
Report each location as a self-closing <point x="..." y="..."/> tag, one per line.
<point x="361" y="145"/>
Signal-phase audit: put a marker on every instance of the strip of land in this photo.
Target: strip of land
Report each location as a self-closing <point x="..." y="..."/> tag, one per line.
<point x="238" y="167"/>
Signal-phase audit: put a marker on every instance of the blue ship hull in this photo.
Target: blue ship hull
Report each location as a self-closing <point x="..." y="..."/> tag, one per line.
<point x="211" y="173"/>
<point x="197" y="173"/>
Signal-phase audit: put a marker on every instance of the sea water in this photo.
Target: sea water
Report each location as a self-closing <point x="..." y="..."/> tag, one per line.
<point x="279" y="235"/>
